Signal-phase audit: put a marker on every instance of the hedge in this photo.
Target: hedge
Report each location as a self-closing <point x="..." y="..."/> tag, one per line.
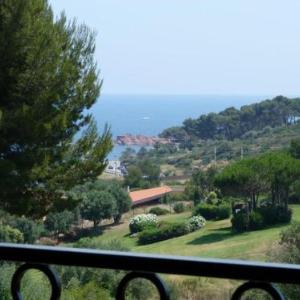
<point x="158" y="211"/>
<point x="178" y="207"/>
<point x="170" y="230"/>
<point x="213" y="212"/>
<point x="260" y="218"/>
<point x="166" y="231"/>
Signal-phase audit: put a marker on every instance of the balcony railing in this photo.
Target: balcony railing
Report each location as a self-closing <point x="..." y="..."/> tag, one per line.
<point x="256" y="274"/>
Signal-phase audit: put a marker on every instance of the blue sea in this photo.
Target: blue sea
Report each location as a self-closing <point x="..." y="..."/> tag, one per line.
<point x="151" y="114"/>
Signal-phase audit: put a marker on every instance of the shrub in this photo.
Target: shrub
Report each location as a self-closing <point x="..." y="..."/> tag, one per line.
<point x="178" y="207"/>
<point x="195" y="223"/>
<point x="30" y="229"/>
<point x="212" y="197"/>
<point x="294" y="199"/>
<point x="269" y="215"/>
<point x="276" y="214"/>
<point x="283" y="215"/>
<point x="166" y="231"/>
<point x="256" y="220"/>
<point x="261" y="217"/>
<point x="10" y="235"/>
<point x="158" y="211"/>
<point x="177" y="196"/>
<point x="240" y="222"/>
<point x="141" y="222"/>
<point x="223" y="212"/>
<point x="213" y="212"/>
<point x="59" y="222"/>
<point x="170" y="230"/>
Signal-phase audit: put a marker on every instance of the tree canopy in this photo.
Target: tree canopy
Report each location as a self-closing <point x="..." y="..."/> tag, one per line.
<point x="144" y="174"/>
<point x="233" y="123"/>
<point x="271" y="173"/>
<point x="100" y="200"/>
<point x="48" y="81"/>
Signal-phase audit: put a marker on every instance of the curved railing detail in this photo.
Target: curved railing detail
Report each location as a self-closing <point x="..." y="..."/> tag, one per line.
<point x="257" y="274"/>
<point x="52" y="276"/>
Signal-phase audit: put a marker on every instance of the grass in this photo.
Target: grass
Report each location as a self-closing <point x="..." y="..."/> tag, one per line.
<point x="215" y="240"/>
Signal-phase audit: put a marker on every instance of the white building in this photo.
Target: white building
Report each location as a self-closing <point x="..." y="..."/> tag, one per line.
<point x="114" y="167"/>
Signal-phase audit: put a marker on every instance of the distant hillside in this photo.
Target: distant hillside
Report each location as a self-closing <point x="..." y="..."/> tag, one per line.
<point x="233" y="123"/>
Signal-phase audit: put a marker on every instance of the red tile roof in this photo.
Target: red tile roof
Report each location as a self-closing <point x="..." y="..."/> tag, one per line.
<point x="146" y="195"/>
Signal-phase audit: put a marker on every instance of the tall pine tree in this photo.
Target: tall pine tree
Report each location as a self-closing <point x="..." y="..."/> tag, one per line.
<point x="48" y="81"/>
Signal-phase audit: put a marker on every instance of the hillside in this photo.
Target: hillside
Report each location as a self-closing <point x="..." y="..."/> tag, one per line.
<point x="233" y="123"/>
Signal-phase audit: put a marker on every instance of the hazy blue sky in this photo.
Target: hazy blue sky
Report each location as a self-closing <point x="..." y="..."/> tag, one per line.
<point x="194" y="46"/>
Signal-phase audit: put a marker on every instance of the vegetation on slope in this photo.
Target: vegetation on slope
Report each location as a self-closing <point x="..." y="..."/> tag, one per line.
<point x="233" y="123"/>
<point x="216" y="239"/>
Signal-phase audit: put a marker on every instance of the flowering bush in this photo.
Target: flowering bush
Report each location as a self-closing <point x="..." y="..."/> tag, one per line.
<point x="141" y="222"/>
<point x="167" y="231"/>
<point x="195" y="223"/>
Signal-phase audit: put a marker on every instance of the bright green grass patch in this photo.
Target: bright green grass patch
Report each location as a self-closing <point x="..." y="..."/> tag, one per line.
<point x="215" y="240"/>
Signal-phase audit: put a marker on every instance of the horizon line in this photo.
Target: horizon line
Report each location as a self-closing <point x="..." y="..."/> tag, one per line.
<point x="271" y="95"/>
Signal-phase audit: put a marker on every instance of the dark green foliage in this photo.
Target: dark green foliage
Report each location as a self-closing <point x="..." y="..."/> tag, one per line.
<point x="176" y="134"/>
<point x="118" y="201"/>
<point x="134" y="177"/>
<point x="144" y="174"/>
<point x="233" y="123"/>
<point x="289" y="252"/>
<point x="272" y="173"/>
<point x="141" y="289"/>
<point x="201" y="183"/>
<point x="245" y="178"/>
<point x="240" y="222"/>
<point x="128" y="156"/>
<point x="269" y="214"/>
<point x="48" y="81"/>
<point x="260" y="218"/>
<point x="121" y="198"/>
<point x="59" y="222"/>
<point x="295" y="148"/>
<point x="256" y="220"/>
<point x="74" y="279"/>
<point x="10" y="235"/>
<point x="280" y="172"/>
<point x="178" y="207"/>
<point x="275" y="215"/>
<point x="97" y="206"/>
<point x="164" y="232"/>
<point x="142" y="153"/>
<point x="167" y="231"/>
<point x="294" y="199"/>
<point x="213" y="212"/>
<point x="176" y="197"/>
<point x="30" y="229"/>
<point x="158" y="211"/>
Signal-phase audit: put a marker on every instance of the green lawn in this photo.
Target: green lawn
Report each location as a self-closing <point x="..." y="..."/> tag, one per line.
<point x="214" y="240"/>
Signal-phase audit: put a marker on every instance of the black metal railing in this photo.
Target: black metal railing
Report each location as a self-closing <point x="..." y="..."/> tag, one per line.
<point x="257" y="275"/>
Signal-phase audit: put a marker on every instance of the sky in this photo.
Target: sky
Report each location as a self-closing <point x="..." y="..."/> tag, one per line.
<point x="249" y="47"/>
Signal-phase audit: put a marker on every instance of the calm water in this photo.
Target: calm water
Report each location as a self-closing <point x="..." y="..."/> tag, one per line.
<point x="150" y="115"/>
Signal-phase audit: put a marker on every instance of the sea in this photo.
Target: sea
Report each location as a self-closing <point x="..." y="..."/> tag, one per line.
<point x="150" y="114"/>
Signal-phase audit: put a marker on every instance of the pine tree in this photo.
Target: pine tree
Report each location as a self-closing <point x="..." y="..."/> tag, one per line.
<point x="48" y="81"/>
